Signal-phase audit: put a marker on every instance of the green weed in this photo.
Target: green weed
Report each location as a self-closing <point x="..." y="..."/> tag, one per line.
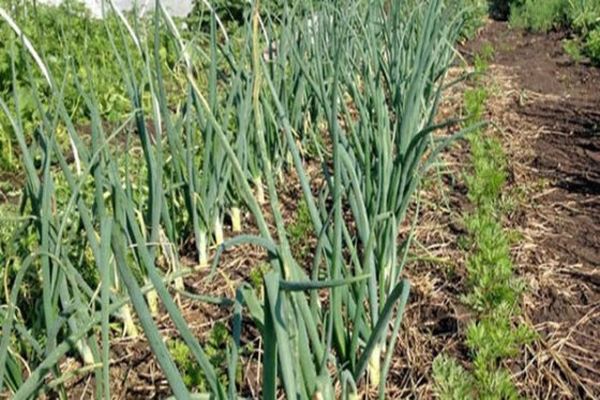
<point x="191" y="371"/>
<point x="300" y="231"/>
<point x="584" y="15"/>
<point x="216" y="351"/>
<point x="483" y="58"/>
<point x="76" y="49"/>
<point x="9" y="215"/>
<point x="257" y="275"/>
<point x="592" y="45"/>
<point x="574" y="49"/>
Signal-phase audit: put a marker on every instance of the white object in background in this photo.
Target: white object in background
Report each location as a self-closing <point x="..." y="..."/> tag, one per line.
<point x="176" y="8"/>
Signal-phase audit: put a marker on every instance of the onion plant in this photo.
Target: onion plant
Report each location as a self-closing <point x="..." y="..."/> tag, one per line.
<point x="361" y="80"/>
<point x="376" y="76"/>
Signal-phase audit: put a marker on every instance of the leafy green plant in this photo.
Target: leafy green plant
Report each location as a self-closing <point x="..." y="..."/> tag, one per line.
<point x="582" y="16"/>
<point x="494" y="292"/>
<point x="452" y="381"/>
<point x="300" y="230"/>
<point x="216" y="351"/>
<point x="574" y="49"/>
<point x="492" y="339"/>
<point x="74" y="47"/>
<point x="475" y="11"/>
<point x="488" y="175"/>
<point x="192" y="373"/>
<point x="592" y="45"/>
<point x="483" y="58"/>
<point x="490" y="269"/>
<point x="474" y="102"/>
<point x="495" y="337"/>
<point x="257" y="275"/>
<point x="539" y="15"/>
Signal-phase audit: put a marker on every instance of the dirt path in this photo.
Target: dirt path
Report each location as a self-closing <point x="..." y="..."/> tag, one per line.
<point x="548" y="111"/>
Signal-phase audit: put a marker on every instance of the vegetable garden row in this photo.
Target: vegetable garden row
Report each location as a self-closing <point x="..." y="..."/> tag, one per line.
<point x="148" y="149"/>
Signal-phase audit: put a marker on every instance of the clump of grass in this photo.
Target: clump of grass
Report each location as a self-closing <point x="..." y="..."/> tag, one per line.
<point x="9" y="221"/>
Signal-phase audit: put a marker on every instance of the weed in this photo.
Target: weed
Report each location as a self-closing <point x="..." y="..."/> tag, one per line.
<point x="257" y="275"/>
<point x="16" y="242"/>
<point x="76" y="49"/>
<point x="573" y="48"/>
<point x="216" y="351"/>
<point x="483" y="58"/>
<point x="510" y="201"/>
<point x="300" y="231"/>
<point x="9" y="214"/>
<point x="191" y="371"/>
<point x="584" y="15"/>
<point x="592" y="45"/>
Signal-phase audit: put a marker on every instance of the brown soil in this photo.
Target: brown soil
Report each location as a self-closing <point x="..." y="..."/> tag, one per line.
<point x="9" y="182"/>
